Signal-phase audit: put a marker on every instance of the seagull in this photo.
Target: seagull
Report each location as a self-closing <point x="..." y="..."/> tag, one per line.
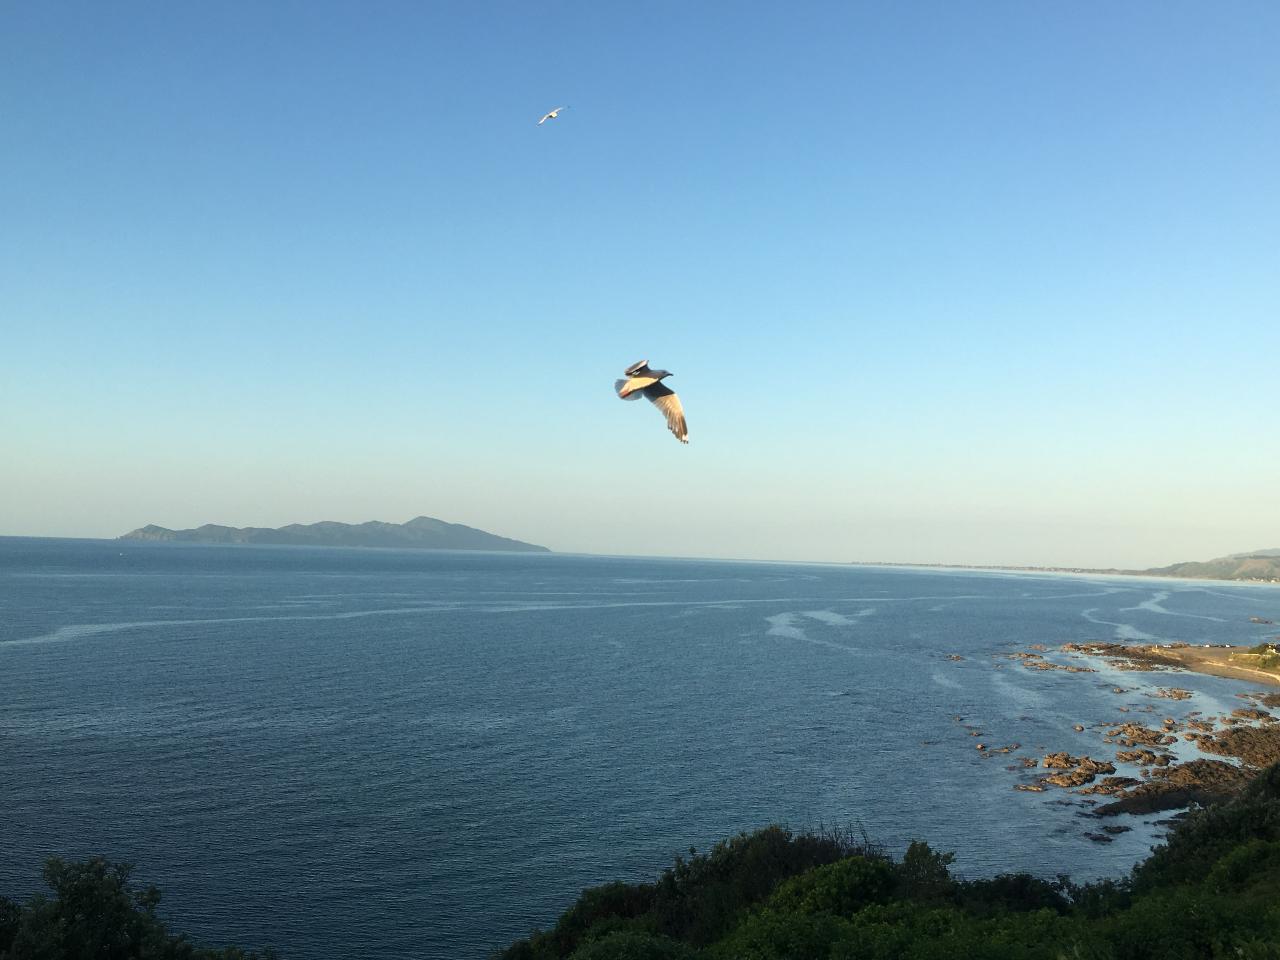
<point x="643" y="381"/>
<point x="552" y="115"/>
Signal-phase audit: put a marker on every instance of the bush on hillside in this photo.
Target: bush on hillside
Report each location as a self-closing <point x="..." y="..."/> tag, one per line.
<point x="96" y="913"/>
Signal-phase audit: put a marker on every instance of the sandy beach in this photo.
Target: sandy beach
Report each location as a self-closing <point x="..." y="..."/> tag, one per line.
<point x="1232" y="662"/>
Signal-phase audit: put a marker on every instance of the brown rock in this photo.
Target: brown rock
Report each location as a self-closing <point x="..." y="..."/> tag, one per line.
<point x="1255" y="746"/>
<point x="1197" y="781"/>
<point x="1250" y="713"/>
<point x="1112" y="785"/>
<point x="1132" y="734"/>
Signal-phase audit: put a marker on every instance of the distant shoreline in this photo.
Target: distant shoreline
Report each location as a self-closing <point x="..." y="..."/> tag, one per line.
<point x="1155" y="574"/>
<point x="1090" y="571"/>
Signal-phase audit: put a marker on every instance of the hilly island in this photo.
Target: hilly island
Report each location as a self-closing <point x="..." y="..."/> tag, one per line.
<point x="425" y="533"/>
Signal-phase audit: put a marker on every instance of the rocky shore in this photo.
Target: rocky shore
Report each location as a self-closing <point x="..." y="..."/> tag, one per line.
<point x="1137" y="769"/>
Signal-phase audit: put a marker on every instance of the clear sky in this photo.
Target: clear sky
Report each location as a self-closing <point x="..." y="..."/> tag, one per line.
<point x="992" y="282"/>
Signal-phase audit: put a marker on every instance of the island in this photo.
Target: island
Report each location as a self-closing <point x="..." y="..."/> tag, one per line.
<point x="425" y="533"/>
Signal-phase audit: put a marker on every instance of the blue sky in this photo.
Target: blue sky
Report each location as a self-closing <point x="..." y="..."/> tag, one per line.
<point x="959" y="282"/>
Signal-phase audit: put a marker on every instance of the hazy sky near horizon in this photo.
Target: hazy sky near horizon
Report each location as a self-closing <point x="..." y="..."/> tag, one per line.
<point x="955" y="282"/>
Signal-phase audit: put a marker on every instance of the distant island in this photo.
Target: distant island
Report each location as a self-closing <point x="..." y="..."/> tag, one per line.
<point x="1260" y="566"/>
<point x="426" y="533"/>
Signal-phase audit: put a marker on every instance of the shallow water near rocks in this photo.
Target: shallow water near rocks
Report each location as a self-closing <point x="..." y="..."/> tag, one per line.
<point x="426" y="754"/>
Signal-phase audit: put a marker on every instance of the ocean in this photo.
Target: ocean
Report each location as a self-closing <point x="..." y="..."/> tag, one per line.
<point x="415" y="754"/>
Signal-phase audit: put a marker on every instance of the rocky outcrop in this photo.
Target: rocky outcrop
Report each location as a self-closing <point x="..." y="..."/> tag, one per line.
<point x="1076" y="771"/>
<point x="1145" y="757"/>
<point x="1196" y="781"/>
<point x="1132" y="734"/>
<point x="1256" y="747"/>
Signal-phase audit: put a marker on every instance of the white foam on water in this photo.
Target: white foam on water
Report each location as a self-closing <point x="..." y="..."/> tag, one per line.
<point x="784" y="625"/>
<point x="830" y="617"/>
<point x="1123" y="631"/>
<point x="78" y="631"/>
<point x="1015" y="692"/>
<point x="1154" y="605"/>
<point x="942" y="680"/>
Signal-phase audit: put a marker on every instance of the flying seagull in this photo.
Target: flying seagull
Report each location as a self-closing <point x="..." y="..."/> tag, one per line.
<point x="643" y="381"/>
<point x="552" y="115"/>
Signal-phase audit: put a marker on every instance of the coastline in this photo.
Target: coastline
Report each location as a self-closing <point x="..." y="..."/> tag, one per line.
<point x="1152" y="770"/>
<point x="1215" y="661"/>
<point x="1070" y="571"/>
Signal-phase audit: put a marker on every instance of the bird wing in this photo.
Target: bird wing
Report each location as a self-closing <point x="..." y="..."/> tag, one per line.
<point x="635" y="368"/>
<point x="632" y="387"/>
<point x="665" y="399"/>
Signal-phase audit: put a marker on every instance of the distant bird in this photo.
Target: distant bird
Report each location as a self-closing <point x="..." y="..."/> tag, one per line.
<point x="641" y="380"/>
<point x="552" y="115"/>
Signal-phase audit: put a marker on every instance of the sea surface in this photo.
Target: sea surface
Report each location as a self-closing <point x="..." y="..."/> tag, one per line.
<point x="413" y="754"/>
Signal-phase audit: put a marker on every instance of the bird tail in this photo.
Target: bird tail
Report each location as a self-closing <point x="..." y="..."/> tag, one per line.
<point x="620" y="388"/>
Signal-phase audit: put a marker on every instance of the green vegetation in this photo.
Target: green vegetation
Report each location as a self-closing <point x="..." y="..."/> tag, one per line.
<point x="1263" y="565"/>
<point x="1212" y="891"/>
<point x="96" y="914"/>
<point x="1264" y="657"/>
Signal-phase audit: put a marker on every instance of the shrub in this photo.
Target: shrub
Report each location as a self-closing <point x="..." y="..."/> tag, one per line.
<point x="633" y="946"/>
<point x="96" y="914"/>
<point x="842" y="888"/>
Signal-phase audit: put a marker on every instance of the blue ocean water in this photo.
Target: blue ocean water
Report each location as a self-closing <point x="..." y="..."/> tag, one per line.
<point x="410" y="754"/>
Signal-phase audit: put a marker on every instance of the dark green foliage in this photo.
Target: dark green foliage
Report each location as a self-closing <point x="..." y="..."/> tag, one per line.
<point x="771" y="934"/>
<point x="698" y="900"/>
<point x="1206" y="836"/>
<point x="841" y="888"/>
<point x="1212" y="892"/>
<point x="96" y="914"/>
<point x="924" y="874"/>
<point x="1186" y="922"/>
<point x="612" y="907"/>
<point x="10" y="919"/>
<point x="633" y="946"/>
<point x="1012" y="893"/>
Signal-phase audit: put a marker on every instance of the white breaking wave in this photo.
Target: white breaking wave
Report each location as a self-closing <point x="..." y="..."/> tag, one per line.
<point x="830" y="617"/>
<point x="942" y="680"/>
<point x="1154" y="606"/>
<point x="785" y="625"/>
<point x="1123" y="631"/>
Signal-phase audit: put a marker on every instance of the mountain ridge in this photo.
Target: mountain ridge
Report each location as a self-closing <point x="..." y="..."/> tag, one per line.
<point x="424" y="533"/>
<point x="1259" y="565"/>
